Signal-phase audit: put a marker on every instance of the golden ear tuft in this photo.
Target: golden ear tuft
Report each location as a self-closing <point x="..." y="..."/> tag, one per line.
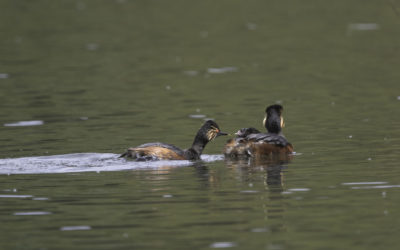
<point x="212" y="133"/>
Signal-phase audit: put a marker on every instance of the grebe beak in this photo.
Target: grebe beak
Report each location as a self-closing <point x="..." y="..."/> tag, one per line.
<point x="221" y="133"/>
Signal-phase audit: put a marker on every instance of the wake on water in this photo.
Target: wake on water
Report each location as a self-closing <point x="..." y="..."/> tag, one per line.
<point x="85" y="162"/>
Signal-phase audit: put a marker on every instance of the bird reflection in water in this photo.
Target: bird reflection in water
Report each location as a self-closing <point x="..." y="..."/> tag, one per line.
<point x="272" y="166"/>
<point x="271" y="171"/>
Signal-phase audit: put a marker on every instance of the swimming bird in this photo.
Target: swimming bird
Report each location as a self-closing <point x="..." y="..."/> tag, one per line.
<point x="249" y="142"/>
<point x="164" y="151"/>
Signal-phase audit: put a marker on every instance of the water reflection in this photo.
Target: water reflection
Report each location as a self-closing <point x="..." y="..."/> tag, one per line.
<point x="101" y="74"/>
<point x="272" y="167"/>
<point x="202" y="173"/>
<point x="271" y="170"/>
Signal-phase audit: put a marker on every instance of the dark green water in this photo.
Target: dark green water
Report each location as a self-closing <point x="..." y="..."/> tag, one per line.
<point x="100" y="76"/>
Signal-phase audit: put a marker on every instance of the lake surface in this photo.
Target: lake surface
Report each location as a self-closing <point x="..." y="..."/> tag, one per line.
<point x="80" y="81"/>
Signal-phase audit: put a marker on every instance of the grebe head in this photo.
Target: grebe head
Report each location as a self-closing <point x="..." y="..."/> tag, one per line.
<point x="210" y="130"/>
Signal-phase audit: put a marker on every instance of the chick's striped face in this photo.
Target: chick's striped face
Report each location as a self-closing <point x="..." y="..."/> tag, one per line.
<point x="212" y="133"/>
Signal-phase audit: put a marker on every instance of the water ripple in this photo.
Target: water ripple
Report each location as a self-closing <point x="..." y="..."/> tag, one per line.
<point x="222" y="70"/>
<point x="377" y="187"/>
<point x="75" y="228"/>
<point x="32" y="213"/>
<point x="24" y="124"/>
<point x="364" y="183"/>
<point x="298" y="189"/>
<point x="222" y="244"/>
<point x="15" y="196"/>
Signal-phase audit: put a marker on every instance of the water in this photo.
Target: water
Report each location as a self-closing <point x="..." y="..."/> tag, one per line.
<point x="86" y="162"/>
<point x="80" y="81"/>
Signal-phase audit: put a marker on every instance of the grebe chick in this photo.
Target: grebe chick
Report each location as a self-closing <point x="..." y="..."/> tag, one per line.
<point x="236" y="146"/>
<point x="164" y="151"/>
<point x="251" y="143"/>
<point x="243" y="132"/>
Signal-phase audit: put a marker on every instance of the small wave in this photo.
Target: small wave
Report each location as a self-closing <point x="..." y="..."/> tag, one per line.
<point x="364" y="183"/>
<point x="15" y="196"/>
<point x="222" y="70"/>
<point x="298" y="189"/>
<point x="377" y="187"/>
<point x="32" y="213"/>
<point x="223" y="244"/>
<point x="24" y="124"/>
<point x="85" y="162"/>
<point x="197" y="116"/>
<point x="75" y="228"/>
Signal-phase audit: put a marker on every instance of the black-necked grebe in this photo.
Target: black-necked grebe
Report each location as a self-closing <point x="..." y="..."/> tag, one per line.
<point x="249" y="142"/>
<point x="164" y="151"/>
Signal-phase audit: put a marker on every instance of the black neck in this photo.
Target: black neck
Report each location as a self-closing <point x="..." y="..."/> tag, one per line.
<point x="199" y="143"/>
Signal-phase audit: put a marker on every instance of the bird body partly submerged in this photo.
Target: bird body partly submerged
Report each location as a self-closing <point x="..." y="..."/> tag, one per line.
<point x="164" y="151"/>
<point x="266" y="143"/>
<point x="251" y="143"/>
<point x="257" y="145"/>
<point x="155" y="151"/>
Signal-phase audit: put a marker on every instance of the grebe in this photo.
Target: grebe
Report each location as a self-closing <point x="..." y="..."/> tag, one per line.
<point x="249" y="142"/>
<point x="164" y="151"/>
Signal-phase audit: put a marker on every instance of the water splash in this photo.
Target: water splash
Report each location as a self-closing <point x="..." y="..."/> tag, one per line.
<point x="86" y="162"/>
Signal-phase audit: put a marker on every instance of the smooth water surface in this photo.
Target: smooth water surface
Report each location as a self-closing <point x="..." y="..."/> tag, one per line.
<point x="80" y="81"/>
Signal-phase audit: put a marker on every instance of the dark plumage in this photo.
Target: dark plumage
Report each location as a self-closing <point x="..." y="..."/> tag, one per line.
<point x="164" y="151"/>
<point x="251" y="143"/>
<point x="273" y="120"/>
